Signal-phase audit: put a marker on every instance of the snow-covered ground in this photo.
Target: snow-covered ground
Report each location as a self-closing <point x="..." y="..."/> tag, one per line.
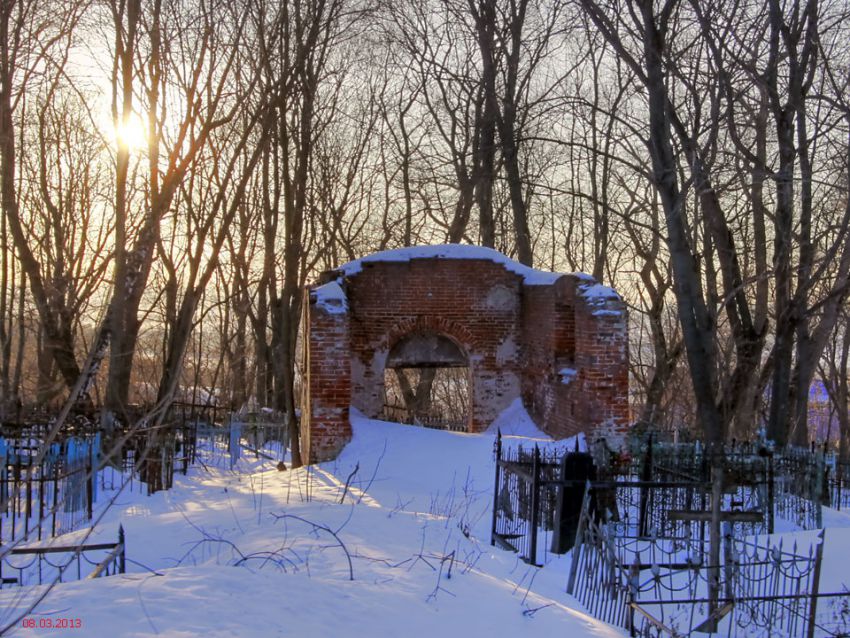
<point x="258" y="552"/>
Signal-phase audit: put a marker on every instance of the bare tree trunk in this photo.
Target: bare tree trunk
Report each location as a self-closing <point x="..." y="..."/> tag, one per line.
<point x="693" y="314"/>
<point x="508" y="134"/>
<point x="120" y="359"/>
<point x="463" y="209"/>
<point x="209" y="109"/>
<point x="418" y="401"/>
<point x="488" y="115"/>
<point x="834" y="373"/>
<point x="7" y="313"/>
<point x="485" y="173"/>
<point x="239" y="359"/>
<point x="57" y="340"/>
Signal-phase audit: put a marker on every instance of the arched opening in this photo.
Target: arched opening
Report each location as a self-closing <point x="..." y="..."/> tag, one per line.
<point x="427" y="382"/>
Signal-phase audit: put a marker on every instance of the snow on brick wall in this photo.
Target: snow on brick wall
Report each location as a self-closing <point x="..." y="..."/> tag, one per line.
<point x="519" y="329"/>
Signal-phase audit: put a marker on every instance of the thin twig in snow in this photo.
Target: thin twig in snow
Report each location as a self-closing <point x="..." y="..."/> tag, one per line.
<point x="348" y="483"/>
<point x="374" y="473"/>
<point x="324" y="528"/>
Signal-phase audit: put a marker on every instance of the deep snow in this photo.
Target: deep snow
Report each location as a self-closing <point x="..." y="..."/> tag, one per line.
<point x="226" y="553"/>
<point x="241" y="553"/>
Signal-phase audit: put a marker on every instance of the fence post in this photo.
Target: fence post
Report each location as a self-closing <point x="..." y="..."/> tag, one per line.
<point x="41" y="497"/>
<point x="89" y="487"/>
<point x="818" y="487"/>
<point x="577" y="548"/>
<point x="634" y="586"/>
<point x="728" y="568"/>
<point x="558" y="545"/>
<point x="55" y="499"/>
<point x="194" y="430"/>
<point x="185" y="447"/>
<point x="496" y="485"/>
<point x="771" y="493"/>
<point x="122" y="565"/>
<point x="15" y="492"/>
<point x="28" y="510"/>
<point x="714" y="537"/>
<point x="645" y="476"/>
<point x="535" y="503"/>
<point x="813" y="605"/>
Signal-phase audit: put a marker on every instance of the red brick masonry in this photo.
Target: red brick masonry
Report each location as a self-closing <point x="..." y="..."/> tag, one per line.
<point x="558" y="341"/>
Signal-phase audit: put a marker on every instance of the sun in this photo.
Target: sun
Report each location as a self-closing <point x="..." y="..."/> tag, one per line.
<point x="131" y="134"/>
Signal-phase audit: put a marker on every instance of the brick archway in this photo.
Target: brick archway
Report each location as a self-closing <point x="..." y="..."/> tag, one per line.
<point x="557" y="341"/>
<point x="428" y="375"/>
<point x="369" y="363"/>
<point x="429" y="330"/>
<point x="429" y="323"/>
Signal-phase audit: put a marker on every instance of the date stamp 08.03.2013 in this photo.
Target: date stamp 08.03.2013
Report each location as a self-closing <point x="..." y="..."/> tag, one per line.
<point x="47" y="622"/>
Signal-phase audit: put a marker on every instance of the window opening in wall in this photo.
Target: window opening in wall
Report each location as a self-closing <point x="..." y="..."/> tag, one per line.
<point x="427" y="382"/>
<point x="428" y="396"/>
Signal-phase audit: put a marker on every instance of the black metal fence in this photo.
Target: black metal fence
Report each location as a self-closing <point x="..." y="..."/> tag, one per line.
<point x="58" y="493"/>
<point x="22" y="566"/>
<point x="659" y="586"/>
<point x="641" y="559"/>
<point x="748" y="486"/>
<point x="838" y="485"/>
<point x="50" y="497"/>
<point x="525" y="499"/>
<point x="537" y="496"/>
<point x="434" y="421"/>
<point x="793" y="484"/>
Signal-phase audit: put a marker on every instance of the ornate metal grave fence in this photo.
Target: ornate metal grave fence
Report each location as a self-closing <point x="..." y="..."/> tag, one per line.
<point x="793" y="484"/>
<point x="523" y="500"/>
<point x="657" y="478"/>
<point x="838" y="484"/>
<point x="659" y="586"/>
<point x="537" y="497"/>
<point x="647" y="567"/>
<point x="748" y="480"/>
<point x="434" y="420"/>
<point x="50" y="497"/>
<point x="58" y="494"/>
<point x="265" y="435"/>
<point x="222" y="445"/>
<point x="800" y="486"/>
<point x="22" y="566"/>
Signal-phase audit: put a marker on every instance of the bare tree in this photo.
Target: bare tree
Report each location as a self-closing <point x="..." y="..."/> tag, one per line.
<point x="179" y="127"/>
<point x="296" y="61"/>
<point x="786" y="74"/>
<point x="33" y="38"/>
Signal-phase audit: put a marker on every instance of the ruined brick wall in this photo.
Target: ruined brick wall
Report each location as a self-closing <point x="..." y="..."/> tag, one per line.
<point x="602" y="357"/>
<point x="326" y="387"/>
<point x="560" y="345"/>
<point x="474" y="303"/>
<point x="575" y="363"/>
<point x="539" y="378"/>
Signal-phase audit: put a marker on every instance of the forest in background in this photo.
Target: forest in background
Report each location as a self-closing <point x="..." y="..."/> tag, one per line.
<point x="174" y="171"/>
